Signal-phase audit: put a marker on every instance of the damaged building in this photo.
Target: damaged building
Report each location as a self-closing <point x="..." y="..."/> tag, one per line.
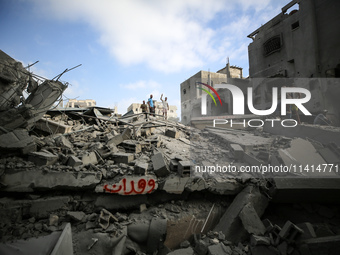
<point x="302" y="42"/>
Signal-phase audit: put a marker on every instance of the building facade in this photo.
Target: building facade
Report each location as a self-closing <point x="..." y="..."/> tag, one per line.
<point x="73" y="103"/>
<point x="191" y="93"/>
<point x="303" y="41"/>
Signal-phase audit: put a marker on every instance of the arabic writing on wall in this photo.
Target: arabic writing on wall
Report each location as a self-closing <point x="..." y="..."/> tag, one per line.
<point x="132" y="186"/>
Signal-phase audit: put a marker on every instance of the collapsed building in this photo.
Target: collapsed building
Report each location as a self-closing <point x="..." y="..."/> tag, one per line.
<point x="82" y="181"/>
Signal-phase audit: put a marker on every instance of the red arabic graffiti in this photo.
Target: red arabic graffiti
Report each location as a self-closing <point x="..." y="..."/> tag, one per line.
<point x="142" y="187"/>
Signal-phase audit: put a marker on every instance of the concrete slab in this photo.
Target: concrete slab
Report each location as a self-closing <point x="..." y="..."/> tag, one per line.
<point x="52" y="127"/>
<point x="29" y="181"/>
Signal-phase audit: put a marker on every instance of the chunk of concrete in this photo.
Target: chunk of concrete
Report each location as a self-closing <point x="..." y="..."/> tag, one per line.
<point x="29" y="181"/>
<point x="230" y="223"/>
<point x="175" y="184"/>
<point x="42" y="158"/>
<point x="76" y="215"/>
<point x="141" y="167"/>
<point x="89" y="158"/>
<point x="123" y="157"/>
<point x="52" y="127"/>
<point x="74" y="161"/>
<point x="184" y="167"/>
<point x="159" y="165"/>
<point x="19" y="140"/>
<point x="172" y="133"/>
<point x="63" y="142"/>
<point x="131" y="146"/>
<point x="236" y="150"/>
<point x="251" y="221"/>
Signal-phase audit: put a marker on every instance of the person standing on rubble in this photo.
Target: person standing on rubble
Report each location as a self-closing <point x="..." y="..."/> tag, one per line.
<point x="144" y="107"/>
<point x="165" y="107"/>
<point x="151" y="106"/>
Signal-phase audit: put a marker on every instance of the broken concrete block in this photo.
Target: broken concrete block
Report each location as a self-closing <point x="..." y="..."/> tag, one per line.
<point x="89" y="158"/>
<point x="42" y="158"/>
<point x="175" y="184"/>
<point x="251" y="221"/>
<point x="74" y="161"/>
<point x="131" y="146"/>
<point x="29" y="181"/>
<point x="159" y="165"/>
<point x="173" y="165"/>
<point x="201" y="247"/>
<point x="237" y="150"/>
<point x="196" y="184"/>
<point x="218" y="249"/>
<point x="42" y="207"/>
<point x="53" y="220"/>
<point x="141" y="167"/>
<point x="19" y="140"/>
<point x="184" y="167"/>
<point x="230" y="223"/>
<point x="116" y="140"/>
<point x="123" y="157"/>
<point x="63" y="142"/>
<point x="52" y="127"/>
<point x="76" y="215"/>
<point x="172" y="133"/>
<point x="223" y="186"/>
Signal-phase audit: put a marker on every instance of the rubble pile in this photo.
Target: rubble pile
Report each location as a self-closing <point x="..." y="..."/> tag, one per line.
<point x="137" y="185"/>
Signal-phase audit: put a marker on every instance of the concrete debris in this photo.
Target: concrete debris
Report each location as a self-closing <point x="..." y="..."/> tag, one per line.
<point x="131" y="185"/>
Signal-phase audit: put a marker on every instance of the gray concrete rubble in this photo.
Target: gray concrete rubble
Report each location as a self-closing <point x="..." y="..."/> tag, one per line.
<point x="130" y="185"/>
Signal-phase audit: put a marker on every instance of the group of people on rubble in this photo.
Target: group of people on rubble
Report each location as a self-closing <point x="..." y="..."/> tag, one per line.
<point x="150" y="107"/>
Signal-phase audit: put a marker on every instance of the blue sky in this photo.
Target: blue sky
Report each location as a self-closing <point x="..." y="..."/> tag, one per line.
<point x="132" y="48"/>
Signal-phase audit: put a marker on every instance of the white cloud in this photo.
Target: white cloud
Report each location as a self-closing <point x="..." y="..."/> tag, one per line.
<point x="141" y="85"/>
<point x="165" y="35"/>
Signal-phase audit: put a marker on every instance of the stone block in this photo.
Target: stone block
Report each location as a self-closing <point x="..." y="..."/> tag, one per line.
<point x="42" y="158"/>
<point x="173" y="164"/>
<point x="159" y="165"/>
<point x="63" y="142"/>
<point x="74" y="161"/>
<point x="89" y="158"/>
<point x="52" y="127"/>
<point x="131" y="146"/>
<point x="237" y="150"/>
<point x="230" y="223"/>
<point x="19" y="140"/>
<point x="123" y="157"/>
<point x="141" y="167"/>
<point x="184" y="167"/>
<point x="76" y="215"/>
<point x="251" y="221"/>
<point x="172" y="133"/>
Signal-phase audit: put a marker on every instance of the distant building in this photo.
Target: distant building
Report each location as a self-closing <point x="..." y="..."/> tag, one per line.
<point x="172" y="112"/>
<point x="73" y="103"/>
<point x="191" y="95"/>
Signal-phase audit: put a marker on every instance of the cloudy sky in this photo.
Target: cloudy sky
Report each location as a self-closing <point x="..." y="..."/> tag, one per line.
<point x="133" y="48"/>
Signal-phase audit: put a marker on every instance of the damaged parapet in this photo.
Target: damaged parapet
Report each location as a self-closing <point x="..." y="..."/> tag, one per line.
<point x="16" y="111"/>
